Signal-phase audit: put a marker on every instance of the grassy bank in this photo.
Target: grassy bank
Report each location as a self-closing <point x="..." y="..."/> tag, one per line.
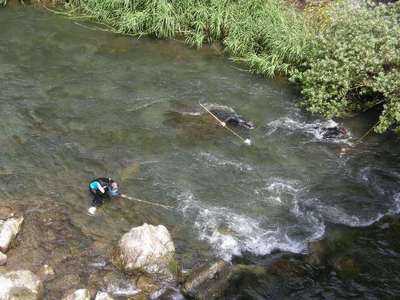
<point x="268" y="36"/>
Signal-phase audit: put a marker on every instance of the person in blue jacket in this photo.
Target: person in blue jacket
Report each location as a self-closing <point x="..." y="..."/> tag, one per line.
<point x="102" y="188"/>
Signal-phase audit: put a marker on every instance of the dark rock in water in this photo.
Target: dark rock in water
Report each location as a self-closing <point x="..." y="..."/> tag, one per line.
<point x="346" y="267"/>
<point x="317" y="252"/>
<point x="208" y="281"/>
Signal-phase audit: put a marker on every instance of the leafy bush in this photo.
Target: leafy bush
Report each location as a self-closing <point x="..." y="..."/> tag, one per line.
<point x="354" y="64"/>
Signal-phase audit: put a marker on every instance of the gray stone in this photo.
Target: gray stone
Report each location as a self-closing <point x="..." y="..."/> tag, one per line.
<point x="3" y="259"/>
<point x="8" y="231"/>
<point x="103" y="296"/>
<point x="81" y="294"/>
<point x="208" y="281"/>
<point x="20" y="285"/>
<point x="148" y="249"/>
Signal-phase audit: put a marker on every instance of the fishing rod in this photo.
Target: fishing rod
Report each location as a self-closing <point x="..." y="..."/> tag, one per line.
<point x="92" y="209"/>
<point x="223" y="124"/>
<point x="144" y="201"/>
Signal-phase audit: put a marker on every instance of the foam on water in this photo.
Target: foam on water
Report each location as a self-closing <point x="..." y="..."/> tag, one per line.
<point x="232" y="234"/>
<point x="314" y="129"/>
<point x="215" y="161"/>
<point x="216" y="106"/>
<point x="338" y="216"/>
<point x="122" y="289"/>
<point x="280" y="190"/>
<point x="191" y="113"/>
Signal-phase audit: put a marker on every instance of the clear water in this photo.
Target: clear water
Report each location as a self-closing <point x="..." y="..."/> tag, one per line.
<point x="77" y="103"/>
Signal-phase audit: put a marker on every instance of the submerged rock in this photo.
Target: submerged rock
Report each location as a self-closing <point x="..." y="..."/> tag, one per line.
<point x="208" y="281"/>
<point x="150" y="250"/>
<point x="3" y="259"/>
<point x="8" y="231"/>
<point x="81" y="294"/>
<point x="20" y="285"/>
<point x="168" y="293"/>
<point x="46" y="272"/>
<point x="103" y="296"/>
<point x="347" y="267"/>
<point x="6" y="212"/>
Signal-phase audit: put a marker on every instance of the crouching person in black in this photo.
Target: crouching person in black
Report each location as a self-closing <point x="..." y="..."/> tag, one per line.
<point x="232" y="118"/>
<point x="102" y="188"/>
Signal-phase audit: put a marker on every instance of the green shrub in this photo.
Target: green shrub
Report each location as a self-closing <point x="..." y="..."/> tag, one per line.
<point x="354" y="64"/>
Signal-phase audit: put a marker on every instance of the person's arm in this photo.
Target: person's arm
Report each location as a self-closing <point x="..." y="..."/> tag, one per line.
<point x="101" y="189"/>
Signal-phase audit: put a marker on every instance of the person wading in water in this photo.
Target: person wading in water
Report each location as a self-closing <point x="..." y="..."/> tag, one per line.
<point x="102" y="188"/>
<point x="333" y="132"/>
<point x="232" y="118"/>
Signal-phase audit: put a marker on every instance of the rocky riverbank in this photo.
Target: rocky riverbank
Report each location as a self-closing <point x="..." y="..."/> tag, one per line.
<point x="45" y="256"/>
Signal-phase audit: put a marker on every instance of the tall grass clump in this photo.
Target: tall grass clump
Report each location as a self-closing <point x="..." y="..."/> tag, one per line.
<point x="266" y="34"/>
<point x="354" y="64"/>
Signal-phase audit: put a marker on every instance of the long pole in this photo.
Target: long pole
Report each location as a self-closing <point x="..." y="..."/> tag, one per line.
<point x="246" y="141"/>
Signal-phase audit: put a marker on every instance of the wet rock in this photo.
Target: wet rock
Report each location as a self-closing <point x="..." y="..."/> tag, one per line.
<point x="81" y="294"/>
<point x="8" y="231"/>
<point x="114" y="283"/>
<point x="6" y="212"/>
<point x="346" y="267"/>
<point x="103" y="296"/>
<point x="208" y="281"/>
<point x="46" y="272"/>
<point x="66" y="282"/>
<point x="3" y="259"/>
<point x="146" y="284"/>
<point x="318" y="251"/>
<point x="20" y="285"/>
<point x="168" y="293"/>
<point x="150" y="250"/>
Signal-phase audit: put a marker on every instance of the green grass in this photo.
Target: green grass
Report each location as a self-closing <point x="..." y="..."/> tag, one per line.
<point x="267" y="35"/>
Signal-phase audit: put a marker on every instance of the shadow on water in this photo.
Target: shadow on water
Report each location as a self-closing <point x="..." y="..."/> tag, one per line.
<point x="77" y="104"/>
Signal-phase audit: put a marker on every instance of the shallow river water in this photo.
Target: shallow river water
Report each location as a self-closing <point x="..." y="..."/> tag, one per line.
<point x="76" y="103"/>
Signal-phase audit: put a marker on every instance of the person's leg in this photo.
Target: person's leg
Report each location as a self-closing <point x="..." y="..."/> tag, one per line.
<point x="97" y="200"/>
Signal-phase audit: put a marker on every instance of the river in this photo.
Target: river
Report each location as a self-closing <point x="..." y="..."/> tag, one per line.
<point x="78" y="103"/>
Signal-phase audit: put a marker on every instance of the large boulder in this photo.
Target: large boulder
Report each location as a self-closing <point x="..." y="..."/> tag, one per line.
<point x="8" y="231"/>
<point x="208" y="281"/>
<point x="20" y="285"/>
<point x="148" y="250"/>
<point x="81" y="294"/>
